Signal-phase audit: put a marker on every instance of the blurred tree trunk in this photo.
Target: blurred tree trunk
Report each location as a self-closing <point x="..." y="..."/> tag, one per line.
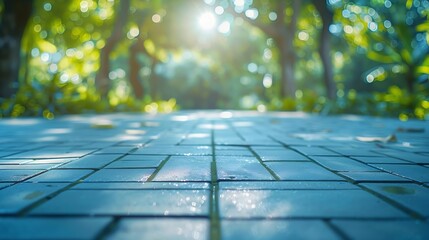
<point x="325" y="48"/>
<point x="286" y="46"/>
<point x="102" y="78"/>
<point x="136" y="85"/>
<point x="135" y="81"/>
<point x="410" y="79"/>
<point x="154" y="79"/>
<point x="282" y="31"/>
<point x="16" y="14"/>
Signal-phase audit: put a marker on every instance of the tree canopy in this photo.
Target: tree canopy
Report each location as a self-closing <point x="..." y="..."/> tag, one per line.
<point x="76" y="56"/>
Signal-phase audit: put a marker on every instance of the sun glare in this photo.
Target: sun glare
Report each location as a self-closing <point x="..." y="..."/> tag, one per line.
<point x="207" y="21"/>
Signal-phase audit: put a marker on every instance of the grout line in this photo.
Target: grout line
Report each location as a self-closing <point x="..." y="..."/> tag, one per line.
<point x="39" y="202"/>
<point x="160" y="166"/>
<point x="215" y="226"/>
<point x="273" y="174"/>
<point x="336" y="229"/>
<point x="108" y="229"/>
<point x="387" y="200"/>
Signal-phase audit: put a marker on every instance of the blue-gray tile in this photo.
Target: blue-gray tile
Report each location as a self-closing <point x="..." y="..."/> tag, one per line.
<point x="179" y="168"/>
<point x="52" y="228"/>
<point x="120" y="175"/>
<point x="410" y="195"/>
<point x="384" y="230"/>
<point x="134" y="164"/>
<point x="276" y="229"/>
<point x="304" y="203"/>
<point x="287" y="185"/>
<point x="244" y="168"/>
<point x="161" y="228"/>
<point x="52" y="153"/>
<point x="342" y="164"/>
<point x="374" y="177"/>
<point x="92" y="161"/>
<point x="60" y="175"/>
<point x="12" y="175"/>
<point x="128" y="203"/>
<point x="414" y="172"/>
<point x="16" y="197"/>
<point x="301" y="171"/>
<point x="279" y="155"/>
<point x="142" y="185"/>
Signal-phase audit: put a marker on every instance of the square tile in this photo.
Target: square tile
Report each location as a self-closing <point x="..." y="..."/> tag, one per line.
<point x="389" y="229"/>
<point x="52" y="228"/>
<point x="15" y="198"/>
<point x="304" y="203"/>
<point x="120" y="175"/>
<point x="128" y="203"/>
<point x="276" y="229"/>
<point x="192" y="168"/>
<point x="302" y="171"/>
<point x="412" y="196"/>
<point x="161" y="228"/>
<point x="342" y="164"/>
<point x="62" y="175"/>
<point x="245" y="168"/>
<point x="414" y="172"/>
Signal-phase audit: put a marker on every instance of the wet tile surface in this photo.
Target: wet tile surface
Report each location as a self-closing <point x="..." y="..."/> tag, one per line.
<point x="276" y="229"/>
<point x="412" y="196"/>
<point x="414" y="172"/>
<point x="119" y="175"/>
<point x="213" y="175"/>
<point x="60" y="176"/>
<point x="165" y="229"/>
<point x="303" y="203"/>
<point x="52" y="228"/>
<point x="302" y="171"/>
<point x="17" y="197"/>
<point x="243" y="168"/>
<point x="191" y="168"/>
<point x="15" y="175"/>
<point x="384" y="229"/>
<point x="128" y="202"/>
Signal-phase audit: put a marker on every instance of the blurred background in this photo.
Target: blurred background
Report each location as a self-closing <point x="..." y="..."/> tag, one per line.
<point x="90" y="56"/>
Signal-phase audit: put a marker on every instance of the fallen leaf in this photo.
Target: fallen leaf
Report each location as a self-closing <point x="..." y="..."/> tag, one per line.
<point x="410" y="130"/>
<point x="274" y="121"/>
<point x="150" y="124"/>
<point x="390" y="138"/>
<point x="103" y="124"/>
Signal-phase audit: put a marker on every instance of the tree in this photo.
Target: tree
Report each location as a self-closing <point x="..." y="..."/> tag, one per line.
<point x="325" y="48"/>
<point x="389" y="34"/>
<point x="282" y="29"/>
<point x="102" y="78"/>
<point x="14" y="18"/>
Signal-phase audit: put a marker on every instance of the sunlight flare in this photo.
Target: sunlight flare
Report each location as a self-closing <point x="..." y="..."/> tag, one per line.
<point x="207" y="21"/>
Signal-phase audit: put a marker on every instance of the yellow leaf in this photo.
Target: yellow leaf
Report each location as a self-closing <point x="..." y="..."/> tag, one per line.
<point x="423" y="27"/>
<point x="46" y="46"/>
<point x="406" y="56"/>
<point x="423" y="69"/>
<point x="150" y="46"/>
<point x="380" y="57"/>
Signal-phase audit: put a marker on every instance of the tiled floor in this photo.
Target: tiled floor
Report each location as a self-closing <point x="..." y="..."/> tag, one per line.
<point x="213" y="175"/>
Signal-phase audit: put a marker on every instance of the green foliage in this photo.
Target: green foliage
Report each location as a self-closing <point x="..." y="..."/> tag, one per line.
<point x="380" y="54"/>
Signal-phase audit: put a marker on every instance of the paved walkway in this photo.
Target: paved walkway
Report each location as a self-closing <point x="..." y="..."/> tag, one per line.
<point x="214" y="175"/>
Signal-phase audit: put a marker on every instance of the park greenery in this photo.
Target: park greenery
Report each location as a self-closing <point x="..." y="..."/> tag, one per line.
<point x="90" y="56"/>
